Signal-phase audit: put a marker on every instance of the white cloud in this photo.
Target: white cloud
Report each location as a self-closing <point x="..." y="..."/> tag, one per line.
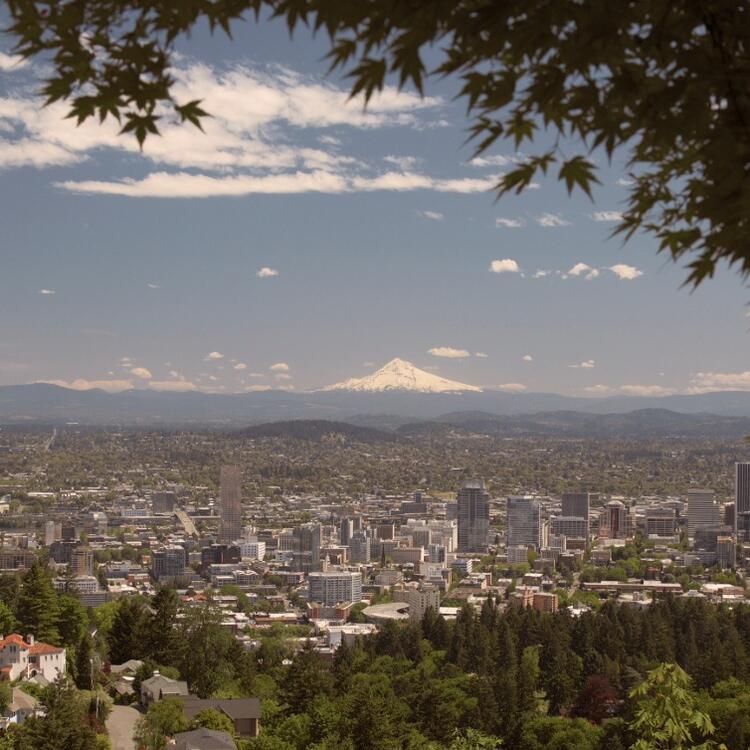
<point x="541" y="273"/>
<point x="498" y="160"/>
<point x="80" y="384"/>
<point x="448" y="352"/>
<point x="585" y="365"/>
<point x="606" y="216"/>
<point x="174" y="386"/>
<point x="46" y="291"/>
<point x="188" y="185"/>
<point x="625" y="272"/>
<point x="578" y="269"/>
<point x="645" y="390"/>
<point x="11" y="62"/>
<point x="552" y="220"/>
<point x="213" y="356"/>
<point x="329" y="140"/>
<point x="282" y="376"/>
<point x="507" y="265"/>
<point x="527" y="358"/>
<point x="598" y="390"/>
<point x="402" y="162"/>
<point x="433" y="215"/>
<point x="623" y="182"/>
<point x="592" y="274"/>
<point x="240" y="366"/>
<point x="151" y="285"/>
<point x="509" y="223"/>
<point x="512" y="387"/>
<point x="258" y="388"/>
<point x="279" y="367"/>
<point x="481" y="355"/>
<point x="720" y="381"/>
<point x="141" y="372"/>
<point x="267" y="273"/>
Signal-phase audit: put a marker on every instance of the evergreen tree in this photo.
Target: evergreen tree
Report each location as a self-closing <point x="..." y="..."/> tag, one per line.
<point x="74" y="620"/>
<point x="125" y="638"/>
<point x="38" y="612"/>
<point x="64" y="724"/>
<point x="162" y="640"/>
<point x="84" y="671"/>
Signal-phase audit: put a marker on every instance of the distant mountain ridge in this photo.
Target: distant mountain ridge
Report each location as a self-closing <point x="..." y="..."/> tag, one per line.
<point x="44" y="403"/>
<point x="316" y="430"/>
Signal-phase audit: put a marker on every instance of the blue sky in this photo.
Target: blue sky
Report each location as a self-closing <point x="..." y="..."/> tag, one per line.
<point x="377" y="234"/>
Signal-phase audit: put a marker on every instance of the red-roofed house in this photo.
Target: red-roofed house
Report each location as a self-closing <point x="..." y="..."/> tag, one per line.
<point x="26" y="658"/>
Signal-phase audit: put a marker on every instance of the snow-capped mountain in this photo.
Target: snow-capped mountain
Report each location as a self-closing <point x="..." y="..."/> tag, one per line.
<point x="399" y="375"/>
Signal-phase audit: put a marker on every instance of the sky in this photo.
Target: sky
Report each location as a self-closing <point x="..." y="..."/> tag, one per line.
<point x="304" y="240"/>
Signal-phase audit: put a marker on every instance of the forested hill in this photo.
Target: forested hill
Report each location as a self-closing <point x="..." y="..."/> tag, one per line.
<point x="640" y="423"/>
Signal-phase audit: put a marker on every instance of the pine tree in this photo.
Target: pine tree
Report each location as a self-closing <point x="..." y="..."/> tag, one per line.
<point x="84" y="674"/>
<point x="125" y="637"/>
<point x="38" y="611"/>
<point x="161" y="637"/>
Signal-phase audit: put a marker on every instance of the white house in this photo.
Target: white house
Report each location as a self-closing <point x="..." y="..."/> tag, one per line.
<point x="27" y="658"/>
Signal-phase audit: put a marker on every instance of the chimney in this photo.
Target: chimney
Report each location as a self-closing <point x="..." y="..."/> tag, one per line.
<point x="30" y="639"/>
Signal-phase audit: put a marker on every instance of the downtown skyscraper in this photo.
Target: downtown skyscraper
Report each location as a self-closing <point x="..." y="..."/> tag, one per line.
<point x="473" y="517"/>
<point x="742" y="502"/>
<point x="230" y="495"/>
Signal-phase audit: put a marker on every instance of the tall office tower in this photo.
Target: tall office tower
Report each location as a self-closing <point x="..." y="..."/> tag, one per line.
<point x="346" y="529"/>
<point x="576" y="504"/>
<point x="359" y="548"/>
<point x="473" y="517"/>
<point x="49" y="533"/>
<point x="82" y="561"/>
<point x="726" y="552"/>
<point x="168" y="562"/>
<point x="702" y="510"/>
<point x="230" y="527"/>
<point x="525" y="526"/>
<point x="307" y="547"/>
<point x="742" y="502"/>
<point x="615" y="521"/>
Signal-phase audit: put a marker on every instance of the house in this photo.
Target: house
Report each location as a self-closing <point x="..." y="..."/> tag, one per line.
<point x="21" y="706"/>
<point x="202" y="739"/>
<point x="129" y="667"/>
<point x="22" y="659"/>
<point x="158" y="686"/>
<point x="244" y="712"/>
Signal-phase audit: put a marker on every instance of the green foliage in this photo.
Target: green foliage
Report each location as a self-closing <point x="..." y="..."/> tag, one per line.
<point x="126" y="633"/>
<point x="37" y="610"/>
<point x="666" y="714"/>
<point x="64" y="724"/>
<point x="211" y="718"/>
<point x="73" y="621"/>
<point x="163" y="719"/>
<point x="662" y="83"/>
<point x="472" y="739"/>
<point x="6" y="695"/>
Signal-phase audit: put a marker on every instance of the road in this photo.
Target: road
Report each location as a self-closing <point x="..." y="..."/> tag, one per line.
<point x="48" y="444"/>
<point x="120" y="725"/>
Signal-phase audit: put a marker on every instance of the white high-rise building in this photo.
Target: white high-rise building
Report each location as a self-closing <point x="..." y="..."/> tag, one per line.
<point x="334" y="587"/>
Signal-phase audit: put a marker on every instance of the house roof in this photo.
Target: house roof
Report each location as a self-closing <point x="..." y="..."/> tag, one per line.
<point x="203" y="739"/>
<point x="160" y="683"/>
<point x="44" y="648"/>
<point x="13" y="639"/>
<point x="234" y="708"/>
<point x="131" y="665"/>
<point x="22" y="701"/>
